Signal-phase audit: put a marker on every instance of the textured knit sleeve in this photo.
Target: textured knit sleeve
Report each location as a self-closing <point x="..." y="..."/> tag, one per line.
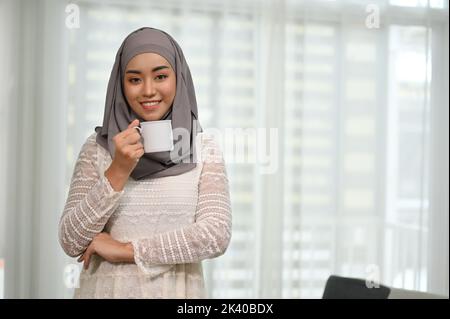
<point x="209" y="235"/>
<point x="90" y="202"/>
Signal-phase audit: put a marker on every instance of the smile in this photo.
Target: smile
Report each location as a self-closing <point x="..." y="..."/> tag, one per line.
<point x="150" y="105"/>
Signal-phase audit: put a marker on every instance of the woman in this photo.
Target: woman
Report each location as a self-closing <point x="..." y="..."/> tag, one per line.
<point x="143" y="222"/>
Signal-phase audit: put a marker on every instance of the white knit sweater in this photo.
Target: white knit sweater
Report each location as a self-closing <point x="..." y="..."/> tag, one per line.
<point x="172" y="222"/>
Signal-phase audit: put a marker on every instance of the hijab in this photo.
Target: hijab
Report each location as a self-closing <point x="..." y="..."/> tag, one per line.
<point x="183" y="113"/>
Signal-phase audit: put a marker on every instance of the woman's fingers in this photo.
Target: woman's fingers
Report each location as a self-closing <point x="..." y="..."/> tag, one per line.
<point x="139" y="153"/>
<point x="133" y="151"/>
<point x="127" y="137"/>
<point x="133" y="123"/>
<point x="86" y="260"/>
<point x="86" y="257"/>
<point x="136" y="150"/>
<point x="129" y="148"/>
<point x="136" y="147"/>
<point x="133" y="137"/>
<point x="131" y="134"/>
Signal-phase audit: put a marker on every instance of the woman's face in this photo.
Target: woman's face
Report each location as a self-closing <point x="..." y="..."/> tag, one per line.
<point x="150" y="85"/>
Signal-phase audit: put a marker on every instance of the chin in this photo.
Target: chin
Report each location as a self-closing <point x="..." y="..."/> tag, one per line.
<point x="151" y="117"/>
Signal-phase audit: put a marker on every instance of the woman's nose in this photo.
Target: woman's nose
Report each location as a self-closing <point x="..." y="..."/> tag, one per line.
<point x="149" y="88"/>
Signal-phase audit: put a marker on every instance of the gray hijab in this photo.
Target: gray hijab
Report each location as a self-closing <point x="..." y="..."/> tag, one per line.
<point x="183" y="112"/>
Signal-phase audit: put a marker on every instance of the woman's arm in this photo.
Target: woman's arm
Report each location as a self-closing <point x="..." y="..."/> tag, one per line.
<point x="90" y="202"/>
<point x="209" y="236"/>
<point x="109" y="249"/>
<point x="92" y="198"/>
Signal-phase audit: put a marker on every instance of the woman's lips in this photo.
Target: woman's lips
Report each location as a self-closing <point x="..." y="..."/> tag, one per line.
<point x="150" y="106"/>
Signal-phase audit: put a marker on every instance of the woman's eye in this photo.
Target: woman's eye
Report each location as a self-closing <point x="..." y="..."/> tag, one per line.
<point x="161" y="77"/>
<point x="134" y="80"/>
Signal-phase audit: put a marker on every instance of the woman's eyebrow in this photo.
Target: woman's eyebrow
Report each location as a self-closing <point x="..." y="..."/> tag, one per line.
<point x="159" y="68"/>
<point x="153" y="70"/>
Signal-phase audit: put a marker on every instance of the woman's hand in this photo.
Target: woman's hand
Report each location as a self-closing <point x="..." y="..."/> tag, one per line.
<point x="129" y="150"/>
<point x="109" y="249"/>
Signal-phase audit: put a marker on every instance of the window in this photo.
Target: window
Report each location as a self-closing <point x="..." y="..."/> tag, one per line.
<point x="351" y="190"/>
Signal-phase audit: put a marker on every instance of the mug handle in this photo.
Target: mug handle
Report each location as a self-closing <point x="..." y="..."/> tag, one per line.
<point x="139" y="129"/>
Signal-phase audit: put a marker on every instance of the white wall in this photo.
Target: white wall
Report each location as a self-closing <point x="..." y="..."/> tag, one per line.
<point x="9" y="10"/>
<point x="33" y="173"/>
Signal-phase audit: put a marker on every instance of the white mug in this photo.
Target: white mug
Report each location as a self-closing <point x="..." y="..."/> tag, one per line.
<point x="157" y="136"/>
